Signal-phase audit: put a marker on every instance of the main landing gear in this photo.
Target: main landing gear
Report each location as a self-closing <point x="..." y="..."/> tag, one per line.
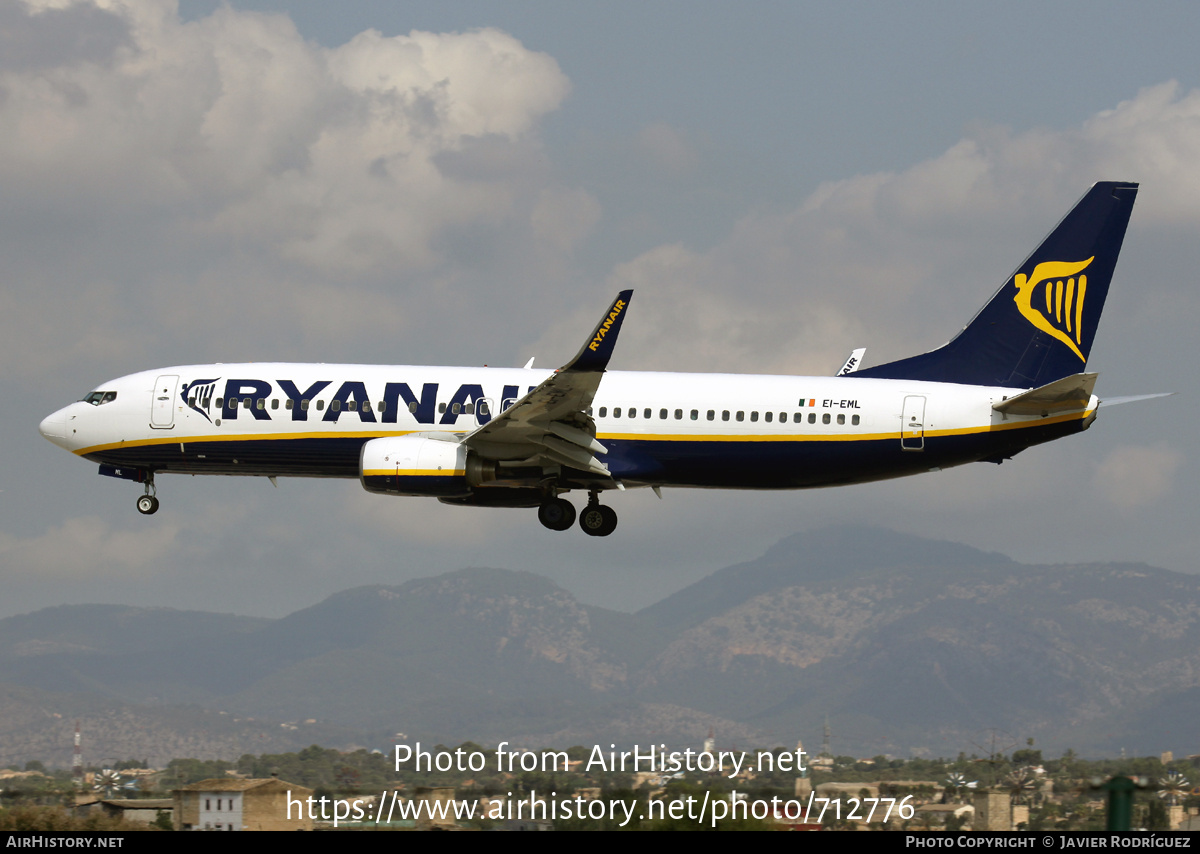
<point x="596" y="520"/>
<point x="557" y="514"/>
<point x="148" y="504"/>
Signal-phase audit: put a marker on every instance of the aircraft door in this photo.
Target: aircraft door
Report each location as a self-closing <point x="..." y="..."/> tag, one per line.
<point x="162" y="405"/>
<point x="912" y="423"/>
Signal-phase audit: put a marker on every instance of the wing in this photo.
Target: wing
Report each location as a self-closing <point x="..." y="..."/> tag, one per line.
<point x="550" y="425"/>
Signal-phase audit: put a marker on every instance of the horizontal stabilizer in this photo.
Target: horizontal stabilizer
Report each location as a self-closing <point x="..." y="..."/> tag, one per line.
<point x="1133" y="398"/>
<point x="1070" y="394"/>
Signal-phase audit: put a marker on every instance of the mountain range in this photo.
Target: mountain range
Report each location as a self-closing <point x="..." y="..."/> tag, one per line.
<point x="904" y="646"/>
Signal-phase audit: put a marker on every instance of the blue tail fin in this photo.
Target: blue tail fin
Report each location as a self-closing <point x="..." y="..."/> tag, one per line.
<point x="1039" y="326"/>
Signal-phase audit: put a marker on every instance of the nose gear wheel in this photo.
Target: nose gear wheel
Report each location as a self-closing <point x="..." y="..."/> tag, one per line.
<point x="147" y="504"/>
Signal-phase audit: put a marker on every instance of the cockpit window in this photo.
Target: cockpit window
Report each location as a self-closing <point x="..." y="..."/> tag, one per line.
<point x="97" y="398"/>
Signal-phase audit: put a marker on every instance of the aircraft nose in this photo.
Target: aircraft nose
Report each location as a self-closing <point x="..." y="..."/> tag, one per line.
<point x="54" y="428"/>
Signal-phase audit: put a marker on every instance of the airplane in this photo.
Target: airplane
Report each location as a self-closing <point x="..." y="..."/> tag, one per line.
<point x="521" y="437"/>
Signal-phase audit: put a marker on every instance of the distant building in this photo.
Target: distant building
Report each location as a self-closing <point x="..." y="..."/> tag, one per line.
<point x="230" y="804"/>
<point x="993" y="811"/>
<point x="137" y="811"/>
<point x="928" y="814"/>
<point x="847" y="790"/>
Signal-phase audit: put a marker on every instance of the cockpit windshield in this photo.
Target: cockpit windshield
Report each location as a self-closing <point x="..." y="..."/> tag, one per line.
<point x="98" y="398"/>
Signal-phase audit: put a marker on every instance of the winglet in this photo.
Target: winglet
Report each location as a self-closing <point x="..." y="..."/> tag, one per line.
<point x="598" y="350"/>
<point x="852" y="364"/>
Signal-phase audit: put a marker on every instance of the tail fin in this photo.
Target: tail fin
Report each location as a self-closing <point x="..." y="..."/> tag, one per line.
<point x="1039" y="326"/>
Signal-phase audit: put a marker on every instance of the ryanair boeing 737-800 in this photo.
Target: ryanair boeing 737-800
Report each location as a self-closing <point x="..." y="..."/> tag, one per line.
<point x="503" y="437"/>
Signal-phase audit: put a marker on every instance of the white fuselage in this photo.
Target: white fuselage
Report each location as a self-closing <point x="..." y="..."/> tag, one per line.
<point x="660" y="429"/>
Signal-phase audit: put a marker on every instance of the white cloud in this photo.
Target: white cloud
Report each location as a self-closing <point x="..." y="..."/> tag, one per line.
<point x="229" y="169"/>
<point x="1137" y="476"/>
<point x="329" y="156"/>
<point x="87" y="547"/>
<point x="562" y="218"/>
<point x="898" y="262"/>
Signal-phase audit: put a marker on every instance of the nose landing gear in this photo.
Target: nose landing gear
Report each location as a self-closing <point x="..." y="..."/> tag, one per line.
<point x="148" y="504"/>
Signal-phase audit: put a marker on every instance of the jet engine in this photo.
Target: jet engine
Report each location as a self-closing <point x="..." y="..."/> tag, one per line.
<point x="414" y="465"/>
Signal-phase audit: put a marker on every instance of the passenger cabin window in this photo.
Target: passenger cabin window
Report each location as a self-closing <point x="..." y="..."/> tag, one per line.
<point x="798" y="417"/>
<point x="412" y="407"/>
<point x="662" y="414"/>
<point x="841" y="418"/>
<point x="603" y="411"/>
<point x="754" y="415"/>
<point x="695" y="415"/>
<point x="711" y="414"/>
<point x="261" y="403"/>
<point x="320" y="405"/>
<point x="646" y="413"/>
<point x="741" y="416"/>
<point x="724" y="414"/>
<point x="617" y="412"/>
<point x="275" y="403"/>
<point x="678" y="414"/>
<point x="290" y="404"/>
<point x="854" y="420"/>
<point x="812" y="418"/>
<point x="335" y="405"/>
<point x="825" y="418"/>
<point x="633" y="412"/>
<point x="767" y="416"/>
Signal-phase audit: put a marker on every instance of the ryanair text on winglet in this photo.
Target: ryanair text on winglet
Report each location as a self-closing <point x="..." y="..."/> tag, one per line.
<point x="607" y="324"/>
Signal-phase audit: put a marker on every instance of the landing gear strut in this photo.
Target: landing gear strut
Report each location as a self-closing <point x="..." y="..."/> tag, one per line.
<point x="557" y="514"/>
<point x="597" y="520"/>
<point x="148" y="503"/>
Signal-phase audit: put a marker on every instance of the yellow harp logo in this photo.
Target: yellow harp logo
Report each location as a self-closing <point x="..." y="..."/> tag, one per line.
<point x="1063" y="296"/>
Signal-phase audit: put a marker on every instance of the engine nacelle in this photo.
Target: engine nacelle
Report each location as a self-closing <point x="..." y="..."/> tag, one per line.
<point x="414" y="465"/>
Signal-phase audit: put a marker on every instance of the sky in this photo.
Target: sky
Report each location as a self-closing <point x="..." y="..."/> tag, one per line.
<point x="470" y="183"/>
